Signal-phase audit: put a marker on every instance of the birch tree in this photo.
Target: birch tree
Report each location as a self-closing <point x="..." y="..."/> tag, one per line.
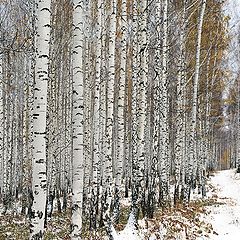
<point x="1" y="119"/>
<point x="77" y="120"/>
<point x="164" y="112"/>
<point x="96" y="121"/>
<point x="39" y="184"/>
<point x="108" y="189"/>
<point x="192" y="138"/>
<point x="180" y="92"/>
<point x="121" y="105"/>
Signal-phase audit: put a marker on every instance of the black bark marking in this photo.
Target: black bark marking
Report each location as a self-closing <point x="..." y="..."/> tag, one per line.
<point x="45" y="9"/>
<point x="40" y="161"/>
<point x="43" y="56"/>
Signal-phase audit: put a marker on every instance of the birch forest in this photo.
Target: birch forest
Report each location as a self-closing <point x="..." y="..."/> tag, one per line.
<point x="113" y="115"/>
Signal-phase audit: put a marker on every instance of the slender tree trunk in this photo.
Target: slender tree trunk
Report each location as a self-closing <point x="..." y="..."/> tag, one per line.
<point x="96" y="122"/>
<point x="192" y="137"/>
<point x="39" y="184"/>
<point x="1" y="126"/>
<point x="134" y="123"/>
<point x="77" y="120"/>
<point x="26" y="166"/>
<point x="142" y="100"/>
<point x="238" y="128"/>
<point x="180" y="133"/>
<point x="164" y="114"/>
<point x="121" y="120"/>
<point x="109" y="121"/>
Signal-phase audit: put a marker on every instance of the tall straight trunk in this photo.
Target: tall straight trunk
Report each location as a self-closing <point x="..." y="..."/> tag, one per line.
<point x="164" y="113"/>
<point x="26" y="165"/>
<point x="180" y="133"/>
<point x="192" y="137"/>
<point x="121" y="121"/>
<point x="96" y="121"/>
<point x="88" y="75"/>
<point x="51" y="127"/>
<point x="142" y="101"/>
<point x="203" y="156"/>
<point x="204" y="120"/>
<point x="1" y="125"/>
<point x="103" y="110"/>
<point x="39" y="184"/>
<point x="7" y="133"/>
<point x="88" y="116"/>
<point x="155" y="158"/>
<point x="110" y="117"/>
<point x="9" y="125"/>
<point x="68" y="164"/>
<point x="5" y="130"/>
<point x="134" y="123"/>
<point x="77" y="120"/>
<point x="238" y="128"/>
<point x="128" y="117"/>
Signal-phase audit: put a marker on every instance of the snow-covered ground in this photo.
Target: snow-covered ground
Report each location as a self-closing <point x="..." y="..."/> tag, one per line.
<point x="129" y="231"/>
<point x="216" y="217"/>
<point x="218" y="221"/>
<point x="225" y="217"/>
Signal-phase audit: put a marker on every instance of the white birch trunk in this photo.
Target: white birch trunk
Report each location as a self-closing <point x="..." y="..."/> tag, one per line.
<point x="1" y="125"/>
<point x="88" y="75"/>
<point x="180" y="131"/>
<point x="5" y="134"/>
<point x="238" y="129"/>
<point x="134" y="122"/>
<point x="142" y="100"/>
<point x="96" y="120"/>
<point x="39" y="184"/>
<point x="121" y="121"/>
<point x="155" y="158"/>
<point x="103" y="111"/>
<point x="77" y="120"/>
<point x="164" y="113"/>
<point x="110" y="117"/>
<point x="192" y="138"/>
<point x="26" y="168"/>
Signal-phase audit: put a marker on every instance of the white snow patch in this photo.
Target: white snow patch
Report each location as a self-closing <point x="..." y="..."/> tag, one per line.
<point x="129" y="232"/>
<point x="220" y="221"/>
<point x="126" y="202"/>
<point x="225" y="217"/>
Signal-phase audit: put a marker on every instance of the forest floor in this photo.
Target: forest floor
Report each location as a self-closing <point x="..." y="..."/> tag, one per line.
<point x="225" y="217"/>
<point x="217" y="217"/>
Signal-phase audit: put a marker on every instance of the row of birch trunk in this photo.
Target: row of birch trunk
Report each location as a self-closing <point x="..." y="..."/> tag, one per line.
<point x="102" y="101"/>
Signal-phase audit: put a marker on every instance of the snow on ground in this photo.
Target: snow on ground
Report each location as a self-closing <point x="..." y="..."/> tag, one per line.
<point x="219" y="221"/>
<point x="225" y="216"/>
<point x="216" y="217"/>
<point x="129" y="231"/>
